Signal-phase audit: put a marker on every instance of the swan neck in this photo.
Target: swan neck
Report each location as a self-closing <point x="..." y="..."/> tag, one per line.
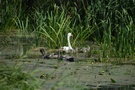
<point x="69" y="44"/>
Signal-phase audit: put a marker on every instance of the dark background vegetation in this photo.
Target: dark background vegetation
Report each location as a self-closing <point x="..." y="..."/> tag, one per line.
<point x="112" y="20"/>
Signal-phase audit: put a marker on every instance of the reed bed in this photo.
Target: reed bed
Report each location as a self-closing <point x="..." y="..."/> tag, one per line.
<point x="109" y="23"/>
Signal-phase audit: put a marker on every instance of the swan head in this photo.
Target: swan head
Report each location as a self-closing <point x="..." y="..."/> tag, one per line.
<point x="70" y="34"/>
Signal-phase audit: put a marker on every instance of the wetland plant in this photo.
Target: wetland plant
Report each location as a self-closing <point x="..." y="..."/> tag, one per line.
<point x="15" y="78"/>
<point x="113" y="30"/>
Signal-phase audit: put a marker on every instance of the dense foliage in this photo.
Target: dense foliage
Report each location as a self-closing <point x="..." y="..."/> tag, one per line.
<point x="108" y="22"/>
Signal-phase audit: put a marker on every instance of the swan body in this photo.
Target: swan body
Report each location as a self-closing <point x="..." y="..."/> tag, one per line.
<point x="69" y="47"/>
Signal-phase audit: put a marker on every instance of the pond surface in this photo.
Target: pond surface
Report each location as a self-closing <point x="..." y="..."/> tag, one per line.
<point x="83" y="74"/>
<point x="64" y="75"/>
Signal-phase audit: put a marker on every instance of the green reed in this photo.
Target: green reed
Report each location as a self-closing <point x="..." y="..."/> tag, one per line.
<point x="109" y="23"/>
<point x="22" y="26"/>
<point x="15" y="78"/>
<point x="125" y="36"/>
<point x="54" y="26"/>
<point x="8" y="11"/>
<point x="114" y="27"/>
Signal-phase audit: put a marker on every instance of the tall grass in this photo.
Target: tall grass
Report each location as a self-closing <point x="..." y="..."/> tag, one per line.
<point x="53" y="27"/>
<point x="22" y="26"/>
<point x="118" y="38"/>
<point x="15" y="78"/>
<point x="114" y="27"/>
<point x="110" y="23"/>
<point x="9" y="10"/>
<point x="125" y="36"/>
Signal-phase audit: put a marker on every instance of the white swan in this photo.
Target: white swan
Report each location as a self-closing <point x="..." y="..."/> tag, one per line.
<point x="69" y="47"/>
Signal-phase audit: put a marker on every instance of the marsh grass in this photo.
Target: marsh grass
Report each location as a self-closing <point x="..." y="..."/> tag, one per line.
<point x="15" y="78"/>
<point x="110" y="24"/>
<point x="122" y="43"/>
<point x="54" y="26"/>
<point x="113" y="28"/>
<point x="125" y="40"/>
<point x="22" y="26"/>
<point x="9" y="10"/>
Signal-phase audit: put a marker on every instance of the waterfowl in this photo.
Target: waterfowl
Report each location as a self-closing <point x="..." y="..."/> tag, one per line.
<point x="69" y="47"/>
<point x="85" y="49"/>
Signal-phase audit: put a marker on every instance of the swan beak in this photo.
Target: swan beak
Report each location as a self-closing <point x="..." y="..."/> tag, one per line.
<point x="72" y="35"/>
